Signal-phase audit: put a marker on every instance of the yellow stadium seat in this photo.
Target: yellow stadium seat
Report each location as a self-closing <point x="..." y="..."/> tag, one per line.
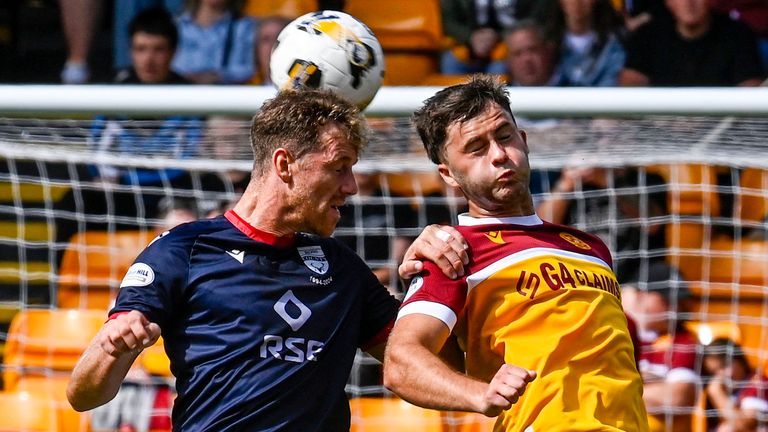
<point x="155" y="361"/>
<point x="706" y="332"/>
<point x="401" y="24"/>
<point x="692" y="188"/>
<point x="47" y="341"/>
<point x="410" y="32"/>
<point x="94" y="264"/>
<point x="285" y="8"/>
<point x="408" y="68"/>
<point x="722" y="265"/>
<point x="747" y="314"/>
<point x="753" y="196"/>
<point x="22" y="411"/>
<point x="371" y="414"/>
<point x="54" y="387"/>
<point x="413" y="183"/>
<point x="699" y="417"/>
<point x="466" y="422"/>
<point x="441" y="80"/>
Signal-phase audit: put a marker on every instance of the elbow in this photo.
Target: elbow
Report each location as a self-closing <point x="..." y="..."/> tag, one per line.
<point x="81" y="400"/>
<point x="76" y="401"/>
<point x="394" y="374"/>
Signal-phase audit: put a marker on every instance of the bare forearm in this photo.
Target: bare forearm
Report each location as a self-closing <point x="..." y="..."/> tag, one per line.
<point x="555" y="208"/>
<point x="97" y="377"/>
<point x="102" y="368"/>
<point x="666" y="395"/>
<point x="423" y="379"/>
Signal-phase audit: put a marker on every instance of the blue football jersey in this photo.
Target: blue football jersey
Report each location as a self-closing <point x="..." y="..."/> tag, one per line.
<point x="261" y="332"/>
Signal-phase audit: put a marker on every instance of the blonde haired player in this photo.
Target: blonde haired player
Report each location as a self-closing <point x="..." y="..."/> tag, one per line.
<point x="538" y="310"/>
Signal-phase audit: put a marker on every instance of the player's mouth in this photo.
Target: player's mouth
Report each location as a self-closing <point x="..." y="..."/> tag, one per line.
<point x="337" y="207"/>
<point x="506" y="175"/>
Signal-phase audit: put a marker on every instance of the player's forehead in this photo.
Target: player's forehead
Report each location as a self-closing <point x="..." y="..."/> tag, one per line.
<point x="491" y="118"/>
<point x="335" y="145"/>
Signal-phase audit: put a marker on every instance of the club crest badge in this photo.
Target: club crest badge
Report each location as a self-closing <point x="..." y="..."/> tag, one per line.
<point x="314" y="259"/>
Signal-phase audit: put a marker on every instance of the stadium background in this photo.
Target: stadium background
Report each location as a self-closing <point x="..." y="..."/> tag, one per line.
<point x="65" y="240"/>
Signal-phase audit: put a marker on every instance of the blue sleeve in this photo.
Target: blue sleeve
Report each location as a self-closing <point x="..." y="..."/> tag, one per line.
<point x="379" y="306"/>
<point x="178" y="138"/>
<point x="612" y="62"/>
<point x="152" y="285"/>
<point x="241" y="65"/>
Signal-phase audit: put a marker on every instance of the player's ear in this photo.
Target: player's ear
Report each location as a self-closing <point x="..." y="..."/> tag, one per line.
<point x="524" y="135"/>
<point x="283" y="161"/>
<point x="445" y="173"/>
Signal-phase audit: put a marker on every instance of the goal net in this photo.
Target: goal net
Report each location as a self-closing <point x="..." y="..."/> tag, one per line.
<point x="81" y="196"/>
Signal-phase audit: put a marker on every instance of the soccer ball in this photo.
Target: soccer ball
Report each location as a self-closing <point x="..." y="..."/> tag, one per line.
<point x="329" y="50"/>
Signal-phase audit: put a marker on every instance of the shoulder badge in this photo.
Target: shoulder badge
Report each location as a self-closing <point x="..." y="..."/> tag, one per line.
<point x="572" y="239"/>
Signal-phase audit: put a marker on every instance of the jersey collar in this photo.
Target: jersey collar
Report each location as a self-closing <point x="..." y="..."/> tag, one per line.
<point x="530" y="220"/>
<point x="257" y="234"/>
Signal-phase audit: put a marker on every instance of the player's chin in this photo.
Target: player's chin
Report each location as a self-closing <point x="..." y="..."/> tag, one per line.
<point x="328" y="224"/>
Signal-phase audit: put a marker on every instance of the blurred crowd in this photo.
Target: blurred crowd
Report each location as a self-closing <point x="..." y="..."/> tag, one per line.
<point x="530" y="43"/>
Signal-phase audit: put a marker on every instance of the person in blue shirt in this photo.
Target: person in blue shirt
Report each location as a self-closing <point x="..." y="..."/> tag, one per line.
<point x="587" y="35"/>
<point x="260" y="310"/>
<point x="216" y="44"/>
<point x="153" y="43"/>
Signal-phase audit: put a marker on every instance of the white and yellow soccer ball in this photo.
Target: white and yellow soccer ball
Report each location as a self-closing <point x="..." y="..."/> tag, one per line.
<point x="329" y="50"/>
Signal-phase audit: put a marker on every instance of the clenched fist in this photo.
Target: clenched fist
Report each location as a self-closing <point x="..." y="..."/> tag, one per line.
<point x="505" y="389"/>
<point x="127" y="333"/>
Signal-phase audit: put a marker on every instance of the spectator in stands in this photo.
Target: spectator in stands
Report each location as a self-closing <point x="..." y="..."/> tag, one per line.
<point x="653" y="300"/>
<point x="269" y="28"/>
<point x="529" y="57"/>
<point x="124" y="12"/>
<point x="738" y="394"/>
<point x="224" y="138"/>
<point x="176" y="211"/>
<point x="153" y="42"/>
<point x="216" y="44"/>
<point x="587" y="36"/>
<point x="475" y="28"/>
<point x="621" y="221"/>
<point x="754" y="13"/>
<point x="694" y="47"/>
<point x="80" y="18"/>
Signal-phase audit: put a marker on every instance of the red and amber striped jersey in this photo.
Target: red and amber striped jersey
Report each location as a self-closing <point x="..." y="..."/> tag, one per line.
<point x="543" y="297"/>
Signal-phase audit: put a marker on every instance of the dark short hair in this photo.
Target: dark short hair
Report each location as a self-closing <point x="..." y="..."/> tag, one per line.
<point x="529" y="25"/>
<point x="155" y="21"/>
<point x="724" y="348"/>
<point x="457" y="103"/>
<point x="293" y="120"/>
<point x="661" y="278"/>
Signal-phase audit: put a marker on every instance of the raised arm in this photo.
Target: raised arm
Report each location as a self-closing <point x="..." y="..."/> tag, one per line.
<point x="103" y="366"/>
<point x="413" y="370"/>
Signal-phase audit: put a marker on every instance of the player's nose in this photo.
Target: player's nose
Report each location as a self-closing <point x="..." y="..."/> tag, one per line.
<point x="349" y="184"/>
<point x="497" y="153"/>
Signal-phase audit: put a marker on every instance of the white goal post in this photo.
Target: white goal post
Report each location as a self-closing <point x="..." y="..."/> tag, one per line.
<point x="690" y="163"/>
<point x="390" y="101"/>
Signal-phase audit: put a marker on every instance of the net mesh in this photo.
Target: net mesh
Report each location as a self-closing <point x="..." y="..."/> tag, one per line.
<point x="79" y="198"/>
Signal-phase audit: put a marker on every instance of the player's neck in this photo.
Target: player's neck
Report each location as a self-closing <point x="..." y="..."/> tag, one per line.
<point x="263" y="212"/>
<point x="523" y="207"/>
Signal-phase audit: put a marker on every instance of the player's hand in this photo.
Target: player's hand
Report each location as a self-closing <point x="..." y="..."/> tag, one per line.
<point x="128" y="333"/>
<point x="441" y="244"/>
<point x="505" y="389"/>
